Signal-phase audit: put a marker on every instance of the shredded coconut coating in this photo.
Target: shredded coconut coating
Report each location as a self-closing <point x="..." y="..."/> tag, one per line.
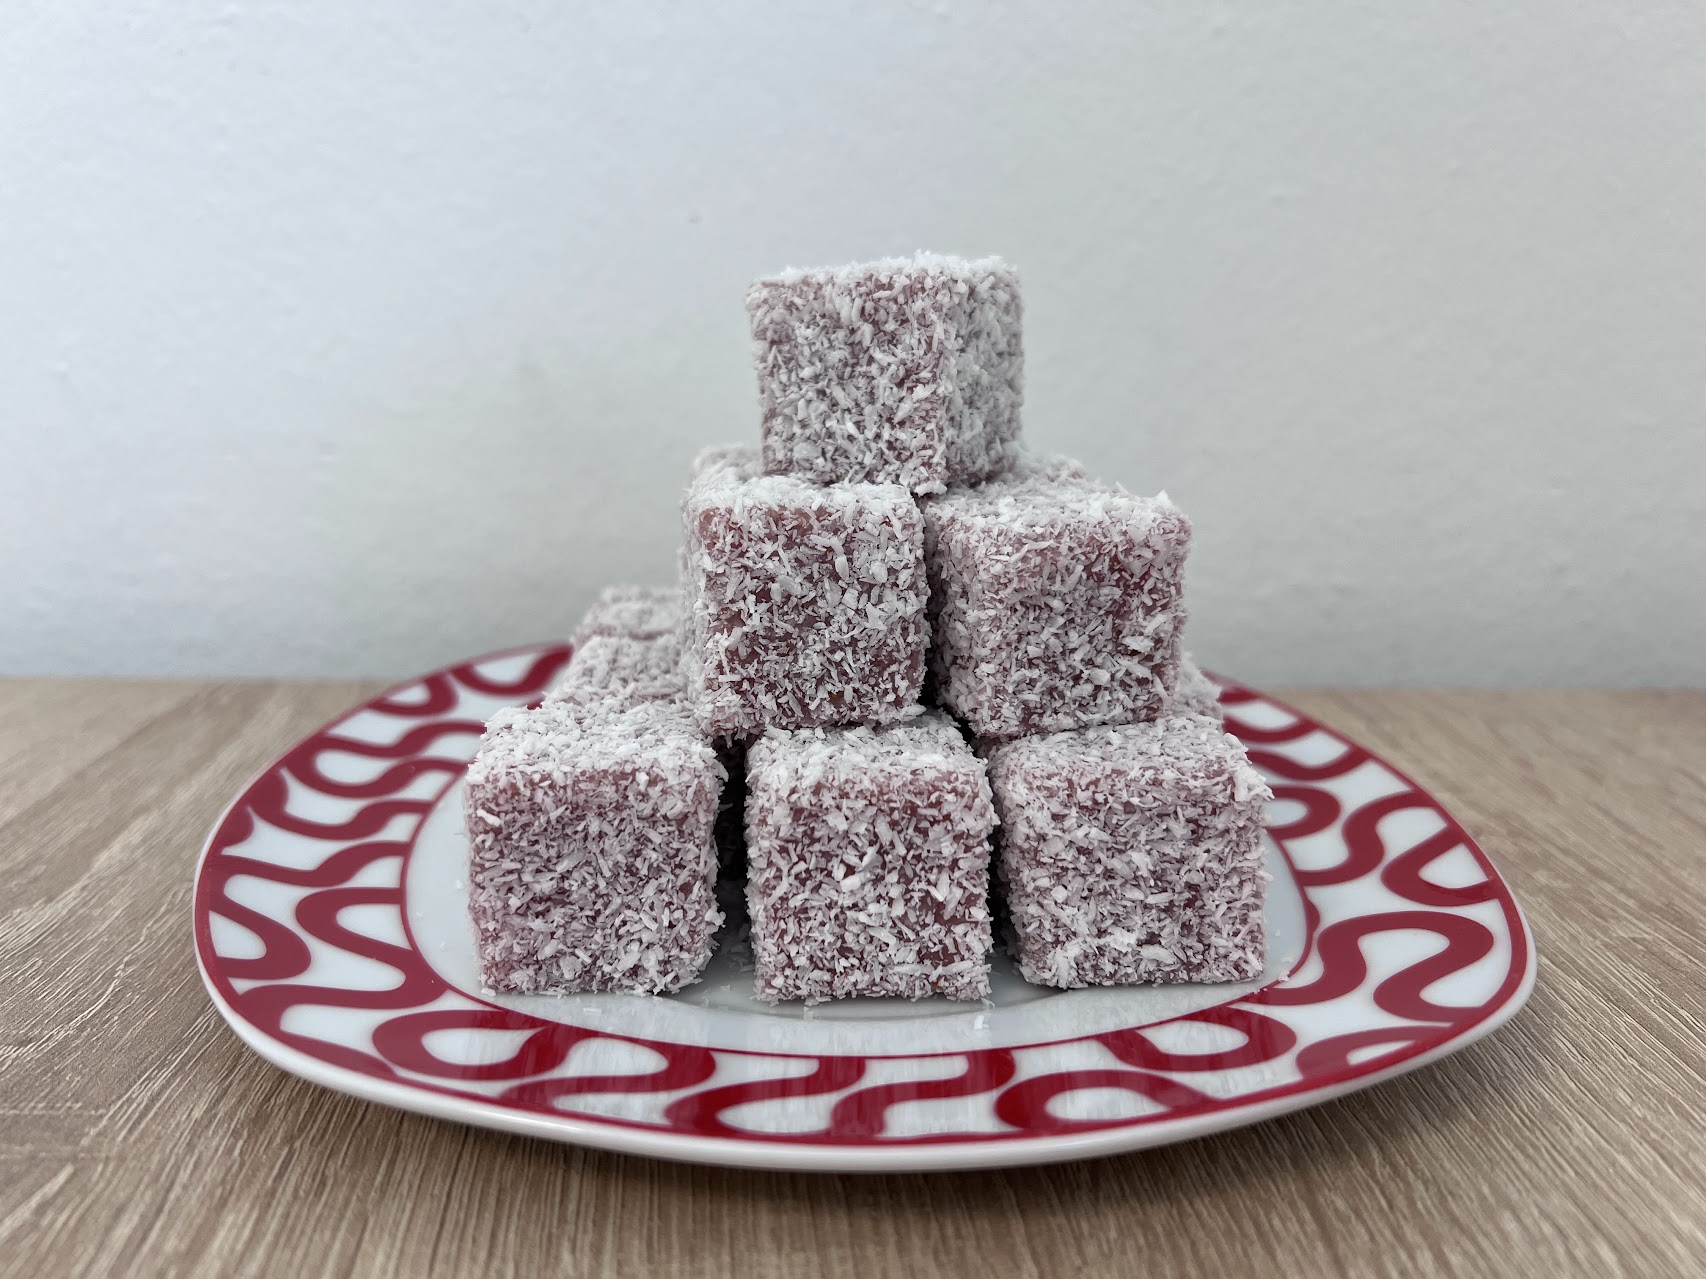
<point x="1132" y="854"/>
<point x="1056" y="603"/>
<point x="742" y="458"/>
<point x="1046" y="468"/>
<point x="806" y="604"/>
<point x="1195" y="693"/>
<point x="632" y="612"/>
<point x="868" y="863"/>
<point x="1028" y="469"/>
<point x="904" y="371"/>
<point x="634" y="669"/>
<point x="591" y="853"/>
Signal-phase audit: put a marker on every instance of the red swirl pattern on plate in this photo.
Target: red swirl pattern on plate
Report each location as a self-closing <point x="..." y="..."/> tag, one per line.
<point x="374" y="776"/>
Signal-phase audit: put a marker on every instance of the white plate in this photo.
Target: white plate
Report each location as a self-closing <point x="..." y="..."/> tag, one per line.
<point x="332" y="932"/>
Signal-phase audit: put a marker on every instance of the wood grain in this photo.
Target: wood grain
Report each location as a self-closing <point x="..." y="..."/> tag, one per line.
<point x="138" y="1136"/>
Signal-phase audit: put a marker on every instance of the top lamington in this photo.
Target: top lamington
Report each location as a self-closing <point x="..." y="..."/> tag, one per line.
<point x="902" y="371"/>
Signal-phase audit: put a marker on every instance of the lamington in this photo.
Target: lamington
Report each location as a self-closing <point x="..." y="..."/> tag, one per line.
<point x="591" y="847"/>
<point x="904" y="371"/>
<point x="806" y="603"/>
<point x="1055" y="603"/>
<point x="1132" y="853"/>
<point x="868" y="863"/>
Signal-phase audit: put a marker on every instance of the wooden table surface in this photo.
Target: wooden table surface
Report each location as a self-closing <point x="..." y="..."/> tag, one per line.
<point x="138" y="1136"/>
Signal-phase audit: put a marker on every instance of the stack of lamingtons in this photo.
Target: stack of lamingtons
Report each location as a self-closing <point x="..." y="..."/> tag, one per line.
<point x="897" y="636"/>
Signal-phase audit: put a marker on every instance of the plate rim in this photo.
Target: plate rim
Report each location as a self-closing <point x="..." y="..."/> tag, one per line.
<point x="781" y="1153"/>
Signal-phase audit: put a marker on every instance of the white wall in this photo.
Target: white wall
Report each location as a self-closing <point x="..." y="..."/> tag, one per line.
<point x="349" y="338"/>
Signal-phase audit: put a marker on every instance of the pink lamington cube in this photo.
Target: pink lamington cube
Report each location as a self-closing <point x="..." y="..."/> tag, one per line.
<point x="1056" y="603"/>
<point x="806" y="603"/>
<point x="636" y="669"/>
<point x="1132" y="854"/>
<point x="904" y="371"/>
<point x="868" y="863"/>
<point x="591" y="854"/>
<point x="633" y="612"/>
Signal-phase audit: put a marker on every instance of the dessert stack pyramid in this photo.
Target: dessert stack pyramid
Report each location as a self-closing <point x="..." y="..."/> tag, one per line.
<point x="903" y="649"/>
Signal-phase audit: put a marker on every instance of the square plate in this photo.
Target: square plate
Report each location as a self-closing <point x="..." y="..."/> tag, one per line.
<point x="332" y="933"/>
